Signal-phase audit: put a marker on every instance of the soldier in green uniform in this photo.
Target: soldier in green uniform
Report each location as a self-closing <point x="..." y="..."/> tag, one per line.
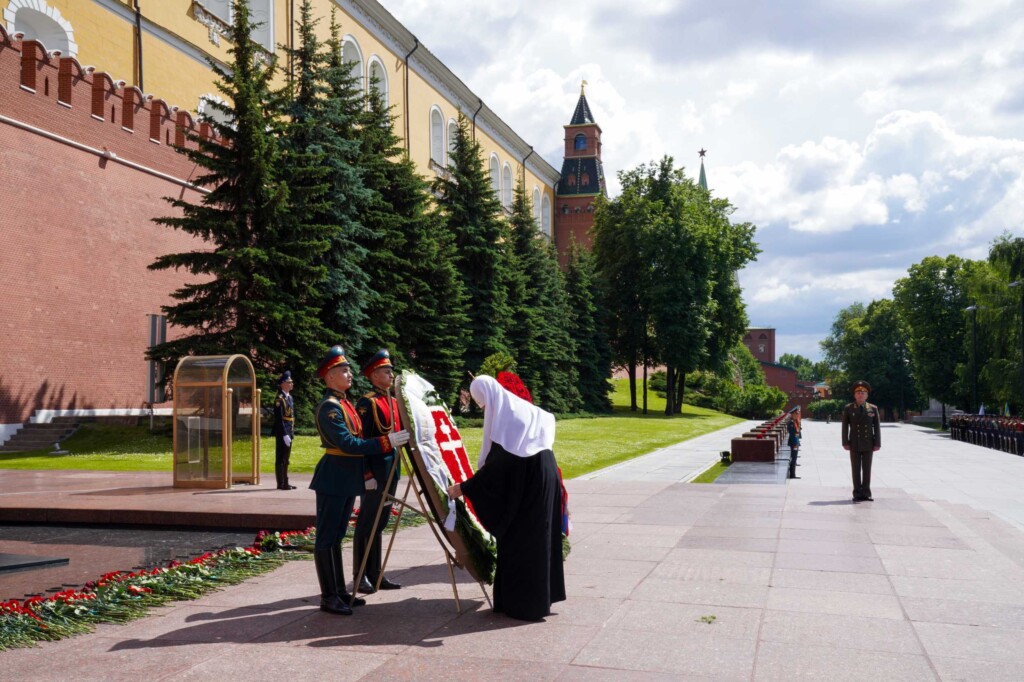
<point x="284" y="429"/>
<point x="862" y="436"/>
<point x="338" y="477"/>
<point x="379" y="412"/>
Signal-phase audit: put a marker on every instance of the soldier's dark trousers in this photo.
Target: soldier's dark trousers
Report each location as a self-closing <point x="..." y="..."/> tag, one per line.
<point x="365" y="541"/>
<point x="282" y="456"/>
<point x="793" y="452"/>
<point x="332" y="515"/>
<point x="860" y="468"/>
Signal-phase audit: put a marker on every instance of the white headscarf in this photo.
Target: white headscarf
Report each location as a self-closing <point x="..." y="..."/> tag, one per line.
<point x="511" y="422"/>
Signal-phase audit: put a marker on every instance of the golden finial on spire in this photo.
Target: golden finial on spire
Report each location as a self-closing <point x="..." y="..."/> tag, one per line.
<point x="582" y="85"/>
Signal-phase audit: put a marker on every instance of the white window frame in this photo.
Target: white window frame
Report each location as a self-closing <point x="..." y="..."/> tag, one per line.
<point x="437" y="130"/>
<point x="494" y="168"/>
<point x="66" y="43"/>
<point x="545" y="215"/>
<point x="536" y="206"/>
<point x="357" y="64"/>
<point x="506" y="185"/>
<point x="374" y="60"/>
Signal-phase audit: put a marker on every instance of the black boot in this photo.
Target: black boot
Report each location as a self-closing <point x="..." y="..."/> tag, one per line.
<point x="375" y="561"/>
<point x="339" y="577"/>
<point x="358" y="551"/>
<point x="330" y="601"/>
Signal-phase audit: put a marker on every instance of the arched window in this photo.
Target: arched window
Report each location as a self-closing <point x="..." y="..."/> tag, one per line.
<point x="378" y="77"/>
<point x="572" y="179"/>
<point x="436" y="136"/>
<point x="506" y="186"/>
<point x="580" y="141"/>
<point x="453" y="133"/>
<point x="584" y="179"/>
<point x="38" y="21"/>
<point x="763" y="336"/>
<point x="545" y="216"/>
<point x="536" y="207"/>
<point x="352" y="55"/>
<point x="565" y="209"/>
<point x="212" y="113"/>
<point x="495" y="169"/>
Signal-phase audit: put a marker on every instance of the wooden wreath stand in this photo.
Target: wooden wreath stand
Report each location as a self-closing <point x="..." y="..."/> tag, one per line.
<point x="423" y="510"/>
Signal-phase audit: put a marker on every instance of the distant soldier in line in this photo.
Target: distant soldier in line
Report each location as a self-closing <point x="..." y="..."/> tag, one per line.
<point x="793" y="429"/>
<point x="338" y="478"/>
<point x="284" y="429"/>
<point x="379" y="413"/>
<point x="862" y="436"/>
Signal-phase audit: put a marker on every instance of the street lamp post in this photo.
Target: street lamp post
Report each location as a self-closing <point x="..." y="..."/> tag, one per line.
<point x="1014" y="285"/>
<point x="973" y="309"/>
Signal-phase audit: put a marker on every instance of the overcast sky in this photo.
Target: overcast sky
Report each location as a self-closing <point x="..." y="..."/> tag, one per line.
<point x="858" y="136"/>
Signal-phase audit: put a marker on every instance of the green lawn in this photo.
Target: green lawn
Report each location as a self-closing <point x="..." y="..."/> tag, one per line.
<point x="581" y="446"/>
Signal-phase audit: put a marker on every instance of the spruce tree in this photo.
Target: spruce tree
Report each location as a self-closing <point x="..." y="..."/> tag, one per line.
<point x="586" y="326"/>
<point x="310" y="225"/>
<point x="338" y="111"/>
<point x="545" y="350"/>
<point x="240" y="300"/>
<point x="421" y="309"/>
<point x="473" y="215"/>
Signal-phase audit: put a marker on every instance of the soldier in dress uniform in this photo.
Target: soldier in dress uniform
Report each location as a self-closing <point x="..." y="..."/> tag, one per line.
<point x="379" y="412"/>
<point x="284" y="429"/>
<point x="338" y="477"/>
<point x="862" y="436"/>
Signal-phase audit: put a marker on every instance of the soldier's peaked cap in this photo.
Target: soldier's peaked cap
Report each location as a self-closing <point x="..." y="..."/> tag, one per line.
<point x="335" y="356"/>
<point x="381" y="358"/>
<point x="861" y="384"/>
<point x="287" y="376"/>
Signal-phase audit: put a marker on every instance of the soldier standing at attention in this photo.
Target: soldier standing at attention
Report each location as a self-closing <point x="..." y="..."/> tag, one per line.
<point x="284" y="429"/>
<point x="338" y="478"/>
<point x="862" y="436"/>
<point x="379" y="412"/>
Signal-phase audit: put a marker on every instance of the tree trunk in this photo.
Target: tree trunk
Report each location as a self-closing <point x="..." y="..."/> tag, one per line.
<point x="645" y="386"/>
<point x="670" y="389"/>
<point x="680" y="391"/>
<point x="632" y="386"/>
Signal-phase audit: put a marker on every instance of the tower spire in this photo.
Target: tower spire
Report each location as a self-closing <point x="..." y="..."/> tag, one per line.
<point x="703" y="180"/>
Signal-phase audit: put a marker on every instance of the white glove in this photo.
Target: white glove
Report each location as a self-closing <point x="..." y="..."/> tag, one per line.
<point x="287" y="441"/>
<point x="398" y="438"/>
<point x="371" y="483"/>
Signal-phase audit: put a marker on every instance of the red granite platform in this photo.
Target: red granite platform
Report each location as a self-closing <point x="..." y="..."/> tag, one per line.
<point x="148" y="498"/>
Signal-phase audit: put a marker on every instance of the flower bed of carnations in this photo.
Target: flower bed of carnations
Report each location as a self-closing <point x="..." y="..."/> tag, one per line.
<point x="120" y="596"/>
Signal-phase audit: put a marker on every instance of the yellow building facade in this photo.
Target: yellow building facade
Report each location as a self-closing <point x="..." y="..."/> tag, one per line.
<point x="162" y="47"/>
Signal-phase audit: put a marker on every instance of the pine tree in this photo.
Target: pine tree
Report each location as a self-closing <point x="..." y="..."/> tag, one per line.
<point x="421" y="310"/>
<point x="240" y="301"/>
<point x="586" y="326"/>
<point x="473" y="216"/>
<point x="544" y="349"/>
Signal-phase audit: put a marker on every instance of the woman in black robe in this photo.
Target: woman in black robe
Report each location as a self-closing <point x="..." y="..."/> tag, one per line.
<point x="516" y="494"/>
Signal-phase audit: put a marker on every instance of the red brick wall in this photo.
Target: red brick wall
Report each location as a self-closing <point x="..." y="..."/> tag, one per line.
<point x="77" y="237"/>
<point x="572" y="225"/>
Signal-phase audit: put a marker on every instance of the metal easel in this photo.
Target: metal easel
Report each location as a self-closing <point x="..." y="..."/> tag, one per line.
<point x="402" y="503"/>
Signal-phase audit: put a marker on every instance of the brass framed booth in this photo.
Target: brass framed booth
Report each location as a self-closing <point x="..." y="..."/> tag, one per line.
<point x="216" y="422"/>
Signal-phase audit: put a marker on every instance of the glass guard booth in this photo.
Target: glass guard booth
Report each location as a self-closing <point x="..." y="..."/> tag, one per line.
<point x="216" y="422"/>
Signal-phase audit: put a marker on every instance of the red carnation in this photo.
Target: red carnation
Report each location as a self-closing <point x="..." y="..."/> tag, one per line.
<point x="514" y="385"/>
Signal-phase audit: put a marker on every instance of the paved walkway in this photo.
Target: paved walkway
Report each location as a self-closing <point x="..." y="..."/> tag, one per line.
<point x="667" y="580"/>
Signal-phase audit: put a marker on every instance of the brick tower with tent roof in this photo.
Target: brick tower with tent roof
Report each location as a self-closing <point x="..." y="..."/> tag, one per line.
<point x="582" y="180"/>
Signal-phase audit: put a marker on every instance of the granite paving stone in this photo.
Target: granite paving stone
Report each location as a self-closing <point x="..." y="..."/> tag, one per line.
<point x="827" y="601"/>
<point x="784" y="662"/>
<point x="780" y="580"/>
